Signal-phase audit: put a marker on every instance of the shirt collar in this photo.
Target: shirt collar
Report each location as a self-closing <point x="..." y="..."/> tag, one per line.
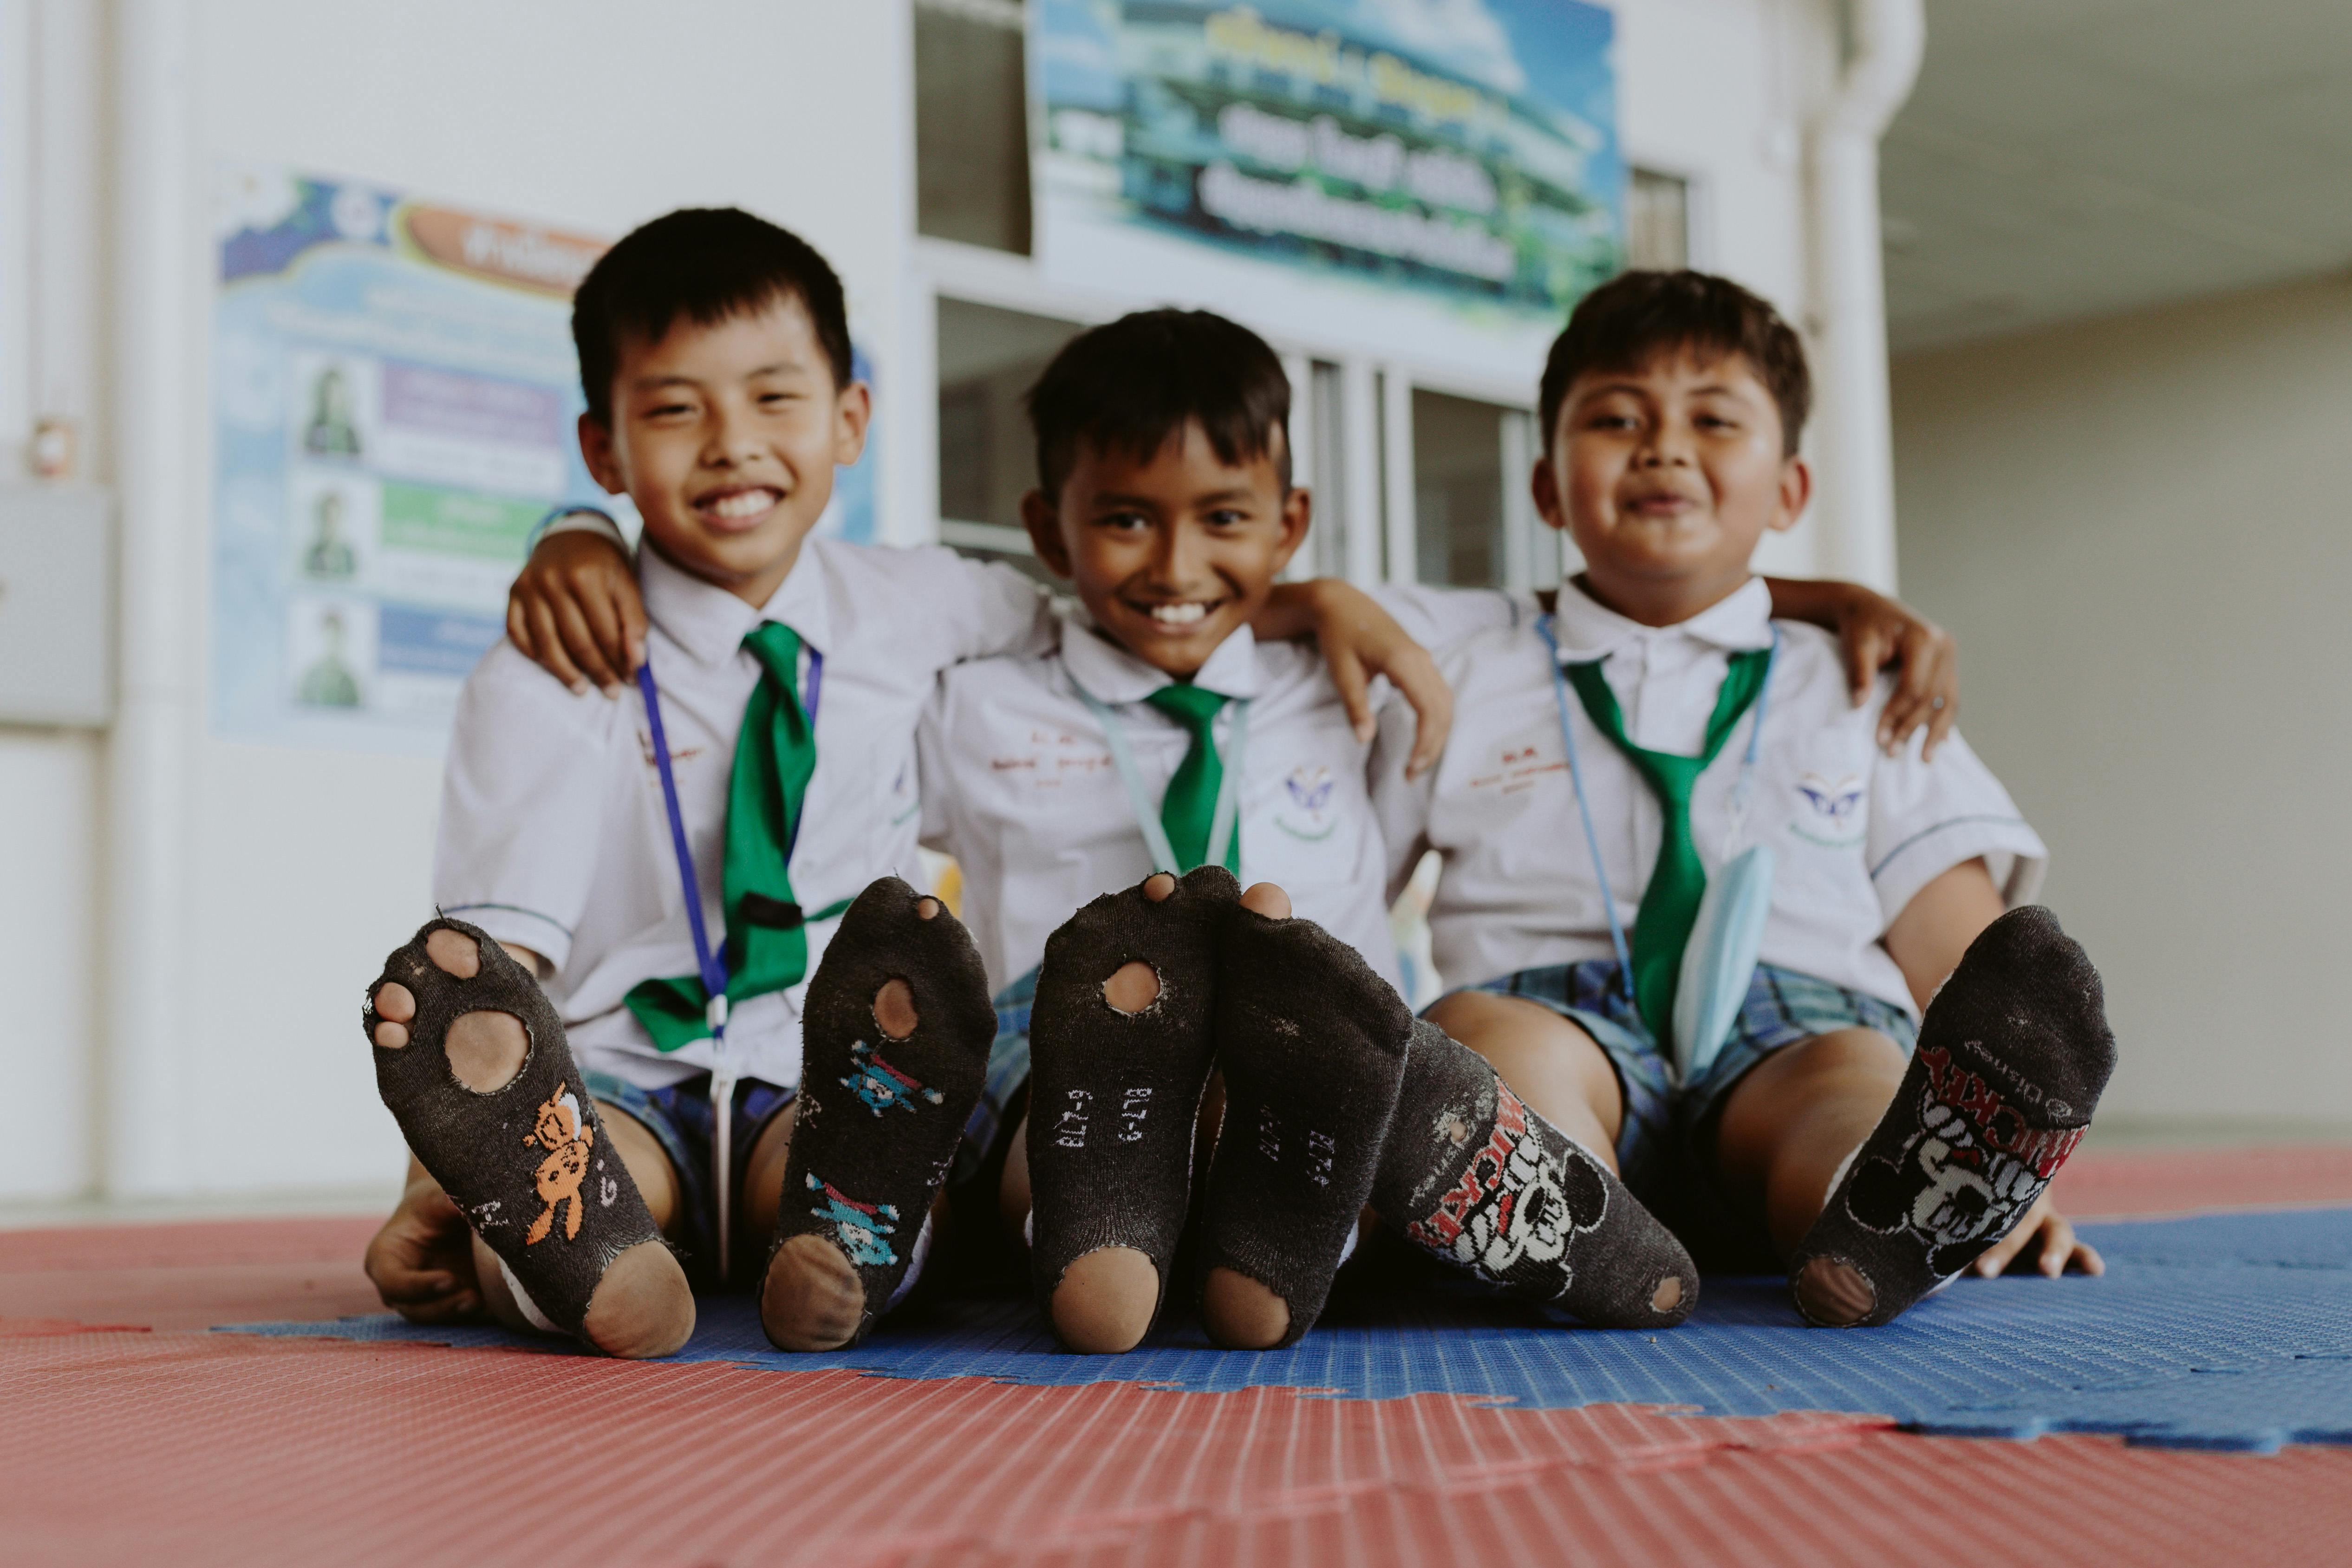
<point x="710" y="624"/>
<point x="1589" y="630"/>
<point x="1112" y="675"/>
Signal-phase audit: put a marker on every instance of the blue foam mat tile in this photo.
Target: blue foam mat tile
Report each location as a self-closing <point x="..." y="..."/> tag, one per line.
<point x="2229" y="1332"/>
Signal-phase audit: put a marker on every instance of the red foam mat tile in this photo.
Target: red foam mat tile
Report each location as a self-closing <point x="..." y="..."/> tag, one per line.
<point x="198" y="1449"/>
<point x="2194" y="1181"/>
<point x="188" y="1276"/>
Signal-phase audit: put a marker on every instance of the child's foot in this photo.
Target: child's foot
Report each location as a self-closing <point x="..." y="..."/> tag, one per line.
<point x="1312" y="1046"/>
<point x="470" y="1058"/>
<point x="2014" y="1055"/>
<point x="1472" y="1175"/>
<point x="894" y="1050"/>
<point x="1119" y="1043"/>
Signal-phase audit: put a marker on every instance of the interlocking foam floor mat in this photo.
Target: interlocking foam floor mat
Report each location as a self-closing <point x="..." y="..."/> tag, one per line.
<point x="2225" y="1331"/>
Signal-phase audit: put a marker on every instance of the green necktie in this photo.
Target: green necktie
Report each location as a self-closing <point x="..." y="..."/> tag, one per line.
<point x="1189" y="809"/>
<point x="1670" y="903"/>
<point x="766" y="937"/>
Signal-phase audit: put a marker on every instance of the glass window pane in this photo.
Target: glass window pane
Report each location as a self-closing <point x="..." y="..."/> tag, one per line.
<point x="1457" y="491"/>
<point x="972" y="123"/>
<point x="1657" y="222"/>
<point x="988" y="359"/>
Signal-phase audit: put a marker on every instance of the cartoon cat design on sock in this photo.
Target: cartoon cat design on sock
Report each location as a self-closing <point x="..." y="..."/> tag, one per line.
<point x="557" y="1129"/>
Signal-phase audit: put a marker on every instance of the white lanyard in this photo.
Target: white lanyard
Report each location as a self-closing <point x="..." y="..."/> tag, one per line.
<point x="1222" y="823"/>
<point x="1742" y="791"/>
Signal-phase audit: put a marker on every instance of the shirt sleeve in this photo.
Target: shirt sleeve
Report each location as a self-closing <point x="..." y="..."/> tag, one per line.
<point x="975" y="610"/>
<point x="1928" y="817"/>
<point x="933" y="774"/>
<point x="1438" y="617"/>
<point x="522" y="803"/>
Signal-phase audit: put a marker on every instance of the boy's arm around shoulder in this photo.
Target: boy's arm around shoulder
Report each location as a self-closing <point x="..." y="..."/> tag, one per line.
<point x="1361" y="640"/>
<point x="523" y="794"/>
<point x="1875" y="632"/>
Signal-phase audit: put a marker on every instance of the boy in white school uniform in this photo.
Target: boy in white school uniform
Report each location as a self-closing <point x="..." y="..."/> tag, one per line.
<point x="646" y="880"/>
<point x="1608" y="765"/>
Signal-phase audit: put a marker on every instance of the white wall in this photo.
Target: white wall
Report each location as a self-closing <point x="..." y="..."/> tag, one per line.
<point x="2141" y="532"/>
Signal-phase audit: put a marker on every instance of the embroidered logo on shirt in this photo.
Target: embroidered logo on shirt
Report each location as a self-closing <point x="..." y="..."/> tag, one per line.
<point x="1834" y="808"/>
<point x="1305" y="812"/>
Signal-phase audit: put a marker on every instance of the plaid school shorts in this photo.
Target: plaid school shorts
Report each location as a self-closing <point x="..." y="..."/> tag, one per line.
<point x="1666" y="1145"/>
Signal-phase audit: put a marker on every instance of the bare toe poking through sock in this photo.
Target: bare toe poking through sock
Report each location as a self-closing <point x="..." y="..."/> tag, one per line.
<point x="393" y="1008"/>
<point x="454" y="952"/>
<point x="1268" y="899"/>
<point x="1158" y="887"/>
<point x="1105" y="1302"/>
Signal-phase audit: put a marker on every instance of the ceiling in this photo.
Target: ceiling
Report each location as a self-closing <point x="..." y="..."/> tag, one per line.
<point x="2066" y="158"/>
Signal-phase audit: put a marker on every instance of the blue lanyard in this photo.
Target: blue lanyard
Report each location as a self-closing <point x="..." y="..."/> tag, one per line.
<point x="1224" y="821"/>
<point x="712" y="962"/>
<point x="1741" y="794"/>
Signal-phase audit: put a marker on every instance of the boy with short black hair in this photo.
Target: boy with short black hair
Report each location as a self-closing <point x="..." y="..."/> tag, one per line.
<point x="1657" y="755"/>
<point x="678" y="864"/>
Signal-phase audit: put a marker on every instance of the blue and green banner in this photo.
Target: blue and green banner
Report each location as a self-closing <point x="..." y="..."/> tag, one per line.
<point x="1359" y="168"/>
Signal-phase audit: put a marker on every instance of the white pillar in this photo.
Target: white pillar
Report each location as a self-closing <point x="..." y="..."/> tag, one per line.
<point x="1853" y="507"/>
<point x="158" y="273"/>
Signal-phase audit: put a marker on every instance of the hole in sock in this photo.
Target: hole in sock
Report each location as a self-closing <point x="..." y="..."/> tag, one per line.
<point x="1834" y="1293"/>
<point x="486" y="1049"/>
<point x="1158" y="887"/>
<point x="894" y="1009"/>
<point x="926" y="908"/>
<point x="454" y="952"/>
<point x="1132" y="987"/>
<point x="1668" y="1295"/>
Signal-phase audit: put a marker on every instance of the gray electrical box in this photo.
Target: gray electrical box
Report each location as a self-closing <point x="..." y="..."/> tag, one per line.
<point x="56" y="605"/>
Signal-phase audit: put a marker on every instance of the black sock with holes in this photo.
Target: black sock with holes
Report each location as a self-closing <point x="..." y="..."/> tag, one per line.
<point x="2014" y="1055"/>
<point x="1471" y="1176"/>
<point x="1113" y="1096"/>
<point x="528" y="1162"/>
<point x="1312" y="1045"/>
<point x="879" y="1118"/>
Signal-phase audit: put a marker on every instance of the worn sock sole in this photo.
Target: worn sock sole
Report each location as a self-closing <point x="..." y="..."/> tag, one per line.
<point x="529" y="1163"/>
<point x="1312" y="1045"/>
<point x="2014" y="1055"/>
<point x="1472" y="1175"/>
<point x="1113" y="1095"/>
<point x="880" y="1116"/>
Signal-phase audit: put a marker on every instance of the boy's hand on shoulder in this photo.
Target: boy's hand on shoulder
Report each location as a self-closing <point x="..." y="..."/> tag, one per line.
<point x="422" y="1262"/>
<point x="2044" y="1240"/>
<point x="1879" y="633"/>
<point x="575" y="611"/>
<point x="1876" y="633"/>
<point x="1361" y="640"/>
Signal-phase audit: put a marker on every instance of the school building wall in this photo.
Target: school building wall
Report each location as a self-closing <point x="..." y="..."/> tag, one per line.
<point x="2140" y="530"/>
<point x="186" y="922"/>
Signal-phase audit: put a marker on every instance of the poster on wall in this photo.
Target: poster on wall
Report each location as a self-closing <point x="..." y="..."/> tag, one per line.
<point x="395" y="395"/>
<point x="1438" y="177"/>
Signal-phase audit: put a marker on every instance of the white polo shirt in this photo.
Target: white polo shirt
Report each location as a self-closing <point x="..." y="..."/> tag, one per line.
<point x="1026" y="797"/>
<point x="553" y="833"/>
<point x="1856" y="833"/>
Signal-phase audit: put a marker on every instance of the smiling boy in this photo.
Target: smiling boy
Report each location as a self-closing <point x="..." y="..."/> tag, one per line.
<point x="1608" y="765"/>
<point x="786" y="675"/>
